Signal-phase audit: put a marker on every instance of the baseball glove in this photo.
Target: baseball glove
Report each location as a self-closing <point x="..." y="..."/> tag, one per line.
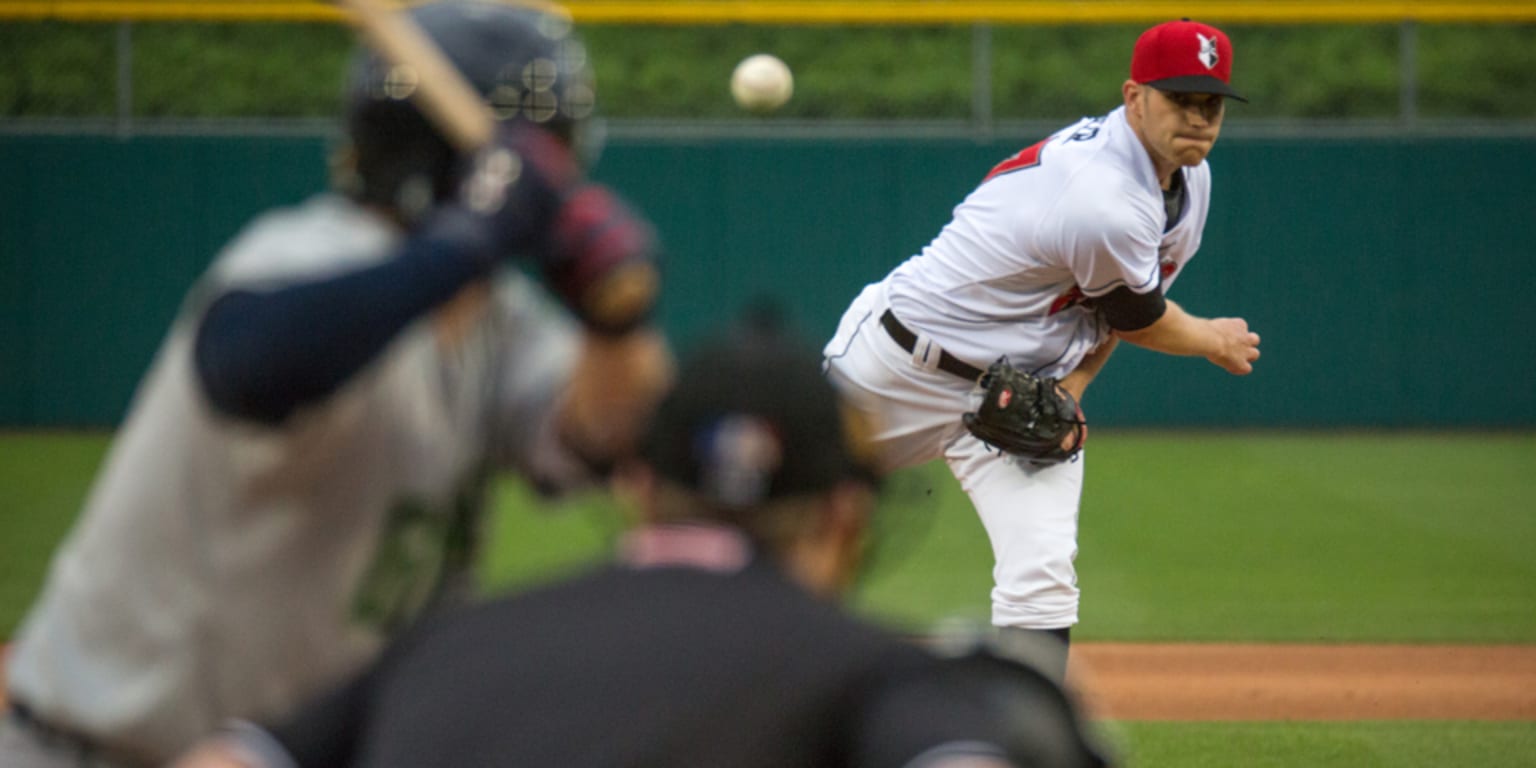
<point x="1027" y="416"/>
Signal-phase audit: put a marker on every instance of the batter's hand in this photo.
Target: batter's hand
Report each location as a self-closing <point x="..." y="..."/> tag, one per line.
<point x="602" y="260"/>
<point x="1238" y="347"/>
<point x="513" y="188"/>
<point x="507" y="196"/>
<point x="617" y="384"/>
<point x="596" y="252"/>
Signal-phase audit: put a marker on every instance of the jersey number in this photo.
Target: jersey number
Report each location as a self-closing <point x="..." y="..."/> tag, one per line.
<point x="1028" y="157"/>
<point x="418" y="549"/>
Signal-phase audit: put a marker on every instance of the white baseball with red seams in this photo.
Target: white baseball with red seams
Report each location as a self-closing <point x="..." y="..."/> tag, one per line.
<point x="762" y="83"/>
<point x="1070" y="218"/>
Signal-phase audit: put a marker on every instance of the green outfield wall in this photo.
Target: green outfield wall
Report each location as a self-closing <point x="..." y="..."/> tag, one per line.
<point x="1389" y="277"/>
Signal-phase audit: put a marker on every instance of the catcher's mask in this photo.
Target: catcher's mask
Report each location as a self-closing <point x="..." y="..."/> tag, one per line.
<point x="527" y="63"/>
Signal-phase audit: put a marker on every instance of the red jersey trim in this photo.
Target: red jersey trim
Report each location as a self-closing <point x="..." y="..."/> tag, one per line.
<point x="1028" y="157"/>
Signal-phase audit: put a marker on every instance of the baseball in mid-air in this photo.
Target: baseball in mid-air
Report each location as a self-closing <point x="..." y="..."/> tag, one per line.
<point x="761" y="83"/>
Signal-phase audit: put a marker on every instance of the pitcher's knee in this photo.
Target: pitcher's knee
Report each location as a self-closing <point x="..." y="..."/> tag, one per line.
<point x="1045" y="605"/>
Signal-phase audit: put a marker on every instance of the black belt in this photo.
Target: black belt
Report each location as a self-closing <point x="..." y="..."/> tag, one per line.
<point x="908" y="340"/>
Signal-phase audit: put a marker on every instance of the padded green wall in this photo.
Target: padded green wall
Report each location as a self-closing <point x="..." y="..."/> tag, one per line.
<point x="1388" y="277"/>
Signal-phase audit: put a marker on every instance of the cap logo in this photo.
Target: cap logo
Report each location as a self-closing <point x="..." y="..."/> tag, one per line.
<point x="739" y="455"/>
<point x="1208" y="55"/>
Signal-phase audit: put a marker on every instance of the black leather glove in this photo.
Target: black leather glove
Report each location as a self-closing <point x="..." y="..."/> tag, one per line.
<point x="1027" y="416"/>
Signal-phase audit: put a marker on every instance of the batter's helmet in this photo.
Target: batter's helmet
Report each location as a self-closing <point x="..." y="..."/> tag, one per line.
<point x="526" y="62"/>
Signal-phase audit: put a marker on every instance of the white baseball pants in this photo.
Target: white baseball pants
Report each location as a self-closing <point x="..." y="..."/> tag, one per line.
<point x="1029" y="511"/>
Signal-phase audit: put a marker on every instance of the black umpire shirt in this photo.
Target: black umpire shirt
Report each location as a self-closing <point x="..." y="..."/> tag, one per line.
<point x="701" y="656"/>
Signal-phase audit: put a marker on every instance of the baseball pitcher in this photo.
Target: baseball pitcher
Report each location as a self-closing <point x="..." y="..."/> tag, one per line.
<point x="978" y="349"/>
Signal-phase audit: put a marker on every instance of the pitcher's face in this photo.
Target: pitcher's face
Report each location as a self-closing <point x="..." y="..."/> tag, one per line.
<point x="1178" y="129"/>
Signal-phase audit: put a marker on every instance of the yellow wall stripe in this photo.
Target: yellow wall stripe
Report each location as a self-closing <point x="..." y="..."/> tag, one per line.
<point x="684" y="12"/>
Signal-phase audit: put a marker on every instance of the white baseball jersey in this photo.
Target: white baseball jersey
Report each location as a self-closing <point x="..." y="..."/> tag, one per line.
<point x="226" y="569"/>
<point x="1072" y="217"/>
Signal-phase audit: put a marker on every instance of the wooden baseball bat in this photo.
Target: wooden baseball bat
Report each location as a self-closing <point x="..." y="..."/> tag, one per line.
<point x="449" y="101"/>
<point x="437" y="87"/>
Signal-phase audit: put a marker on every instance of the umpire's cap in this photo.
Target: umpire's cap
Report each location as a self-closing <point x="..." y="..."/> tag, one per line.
<point x="753" y="419"/>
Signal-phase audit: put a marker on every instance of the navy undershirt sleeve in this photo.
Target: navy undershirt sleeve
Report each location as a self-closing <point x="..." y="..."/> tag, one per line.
<point x="261" y="354"/>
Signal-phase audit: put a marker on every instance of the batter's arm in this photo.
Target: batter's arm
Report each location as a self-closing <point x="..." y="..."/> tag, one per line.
<point x="616" y="385"/>
<point x="1225" y="341"/>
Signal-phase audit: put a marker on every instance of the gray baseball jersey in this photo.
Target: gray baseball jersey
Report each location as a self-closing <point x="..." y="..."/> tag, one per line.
<point x="225" y="569"/>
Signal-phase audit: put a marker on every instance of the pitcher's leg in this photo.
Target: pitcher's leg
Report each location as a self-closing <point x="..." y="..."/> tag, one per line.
<point x="1030" y="514"/>
<point x="1044" y="649"/>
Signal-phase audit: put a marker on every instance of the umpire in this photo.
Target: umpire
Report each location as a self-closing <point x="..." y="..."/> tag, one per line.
<point x="714" y="640"/>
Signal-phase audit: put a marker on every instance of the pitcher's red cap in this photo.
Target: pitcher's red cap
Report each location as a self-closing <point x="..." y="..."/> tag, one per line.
<point x="1184" y="57"/>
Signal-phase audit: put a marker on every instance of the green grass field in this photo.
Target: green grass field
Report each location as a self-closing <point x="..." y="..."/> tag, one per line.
<point x="1325" y="537"/>
<point x="1382" y="744"/>
<point x="1208" y="537"/>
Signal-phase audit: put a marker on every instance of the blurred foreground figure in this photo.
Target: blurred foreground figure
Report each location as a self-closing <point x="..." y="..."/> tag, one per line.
<point x="715" y="639"/>
<point x="304" y="466"/>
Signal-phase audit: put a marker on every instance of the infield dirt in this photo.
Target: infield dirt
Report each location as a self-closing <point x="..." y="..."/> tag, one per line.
<point x="1305" y="682"/>
<point x="1209" y="682"/>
